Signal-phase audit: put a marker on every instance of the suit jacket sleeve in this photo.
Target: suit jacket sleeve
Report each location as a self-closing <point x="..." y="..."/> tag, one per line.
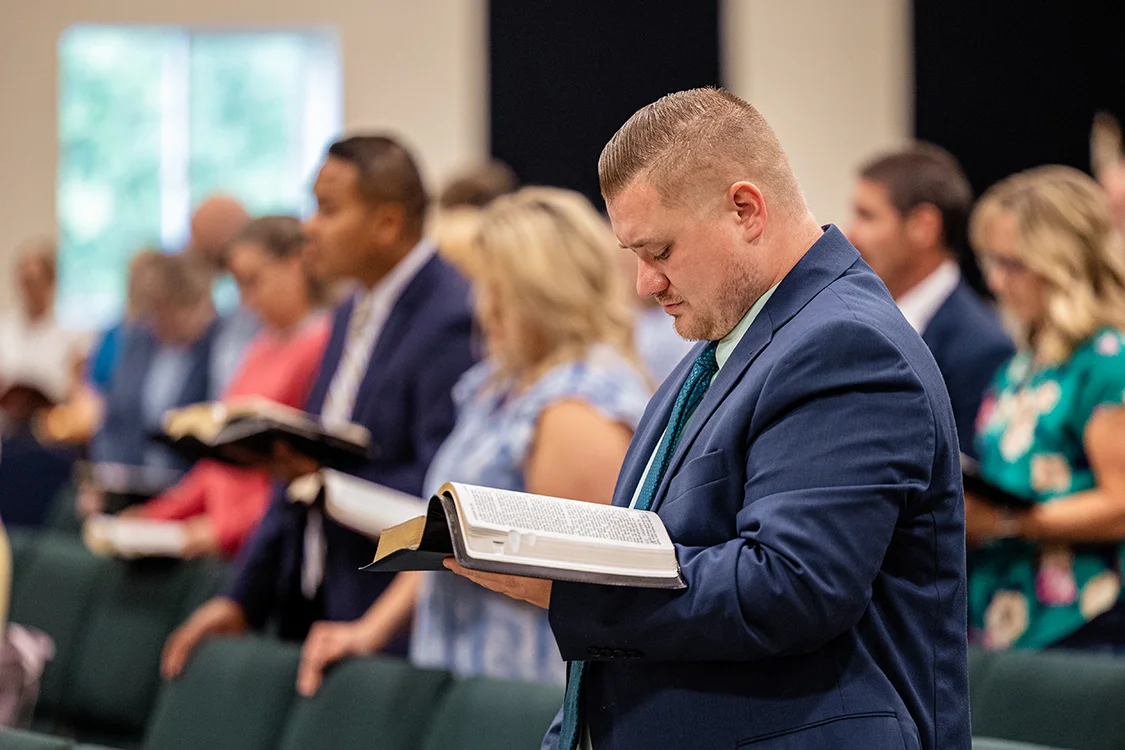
<point x="259" y="565"/>
<point x="446" y="361"/>
<point x="968" y="383"/>
<point x="841" y="443"/>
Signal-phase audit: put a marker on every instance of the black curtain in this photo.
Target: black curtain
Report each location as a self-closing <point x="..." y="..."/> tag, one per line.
<point x="1007" y="85"/>
<point x="1010" y="85"/>
<point x="565" y="75"/>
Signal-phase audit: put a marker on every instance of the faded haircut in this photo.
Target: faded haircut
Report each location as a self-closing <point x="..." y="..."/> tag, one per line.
<point x="688" y="142"/>
<point x="926" y="174"/>
<point x="387" y="173"/>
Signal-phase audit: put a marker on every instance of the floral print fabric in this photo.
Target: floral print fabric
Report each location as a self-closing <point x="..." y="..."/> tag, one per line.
<point x="1030" y="435"/>
<point x="459" y="625"/>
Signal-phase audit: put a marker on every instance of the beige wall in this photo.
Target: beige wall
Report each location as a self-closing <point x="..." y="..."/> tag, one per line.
<point x="414" y="66"/>
<point x="833" y="77"/>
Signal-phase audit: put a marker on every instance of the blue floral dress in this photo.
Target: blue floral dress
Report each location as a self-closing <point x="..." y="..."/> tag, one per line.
<point x="459" y="625"/>
<point x="1030" y="437"/>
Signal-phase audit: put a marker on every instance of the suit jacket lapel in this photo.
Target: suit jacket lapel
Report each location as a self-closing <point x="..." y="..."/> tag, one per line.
<point x="333" y="353"/>
<point x="753" y="342"/>
<point x="825" y="261"/>
<point x="393" y="335"/>
<point x="649" y="432"/>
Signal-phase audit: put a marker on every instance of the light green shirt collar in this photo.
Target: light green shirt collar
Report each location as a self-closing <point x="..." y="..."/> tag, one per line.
<point x="729" y="343"/>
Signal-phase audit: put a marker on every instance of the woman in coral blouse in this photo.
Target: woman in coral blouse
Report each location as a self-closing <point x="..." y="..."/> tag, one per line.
<point x="220" y="504"/>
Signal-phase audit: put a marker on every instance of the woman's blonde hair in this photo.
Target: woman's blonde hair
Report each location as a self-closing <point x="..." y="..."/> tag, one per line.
<point x="1065" y="236"/>
<point x="547" y="256"/>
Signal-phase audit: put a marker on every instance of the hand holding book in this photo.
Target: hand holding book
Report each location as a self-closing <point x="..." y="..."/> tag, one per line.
<point x="535" y="591"/>
<point x="288" y="465"/>
<point x="520" y="535"/>
<point x="246" y="432"/>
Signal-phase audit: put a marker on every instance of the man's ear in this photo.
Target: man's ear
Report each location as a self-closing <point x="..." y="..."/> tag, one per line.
<point x="750" y="209"/>
<point x="924" y="226"/>
<point x="388" y="221"/>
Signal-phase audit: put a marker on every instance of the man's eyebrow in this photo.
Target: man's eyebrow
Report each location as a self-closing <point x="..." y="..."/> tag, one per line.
<point x="636" y="245"/>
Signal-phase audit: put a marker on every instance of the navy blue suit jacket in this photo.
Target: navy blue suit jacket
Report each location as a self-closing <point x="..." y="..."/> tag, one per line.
<point x="970" y="346"/>
<point x="405" y="401"/>
<point x="815" y="503"/>
<point x="123" y="437"/>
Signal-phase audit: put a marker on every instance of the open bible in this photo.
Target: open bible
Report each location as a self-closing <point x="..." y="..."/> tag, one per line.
<point x="133" y="537"/>
<point x="243" y="431"/>
<point x="122" y="485"/>
<point x="500" y="531"/>
<point x="360" y="505"/>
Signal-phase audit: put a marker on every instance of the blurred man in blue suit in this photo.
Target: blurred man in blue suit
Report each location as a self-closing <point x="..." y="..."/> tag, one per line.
<point x="909" y="220"/>
<point x="397" y="347"/>
<point x="803" y="458"/>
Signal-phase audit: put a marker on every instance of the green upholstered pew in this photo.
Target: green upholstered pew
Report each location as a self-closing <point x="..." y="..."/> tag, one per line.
<point x="109" y="619"/>
<point x="479" y="713"/>
<point x="367" y="704"/>
<point x="234" y="694"/>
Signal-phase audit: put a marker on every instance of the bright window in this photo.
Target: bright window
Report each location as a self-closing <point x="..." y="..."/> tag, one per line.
<point x="153" y="119"/>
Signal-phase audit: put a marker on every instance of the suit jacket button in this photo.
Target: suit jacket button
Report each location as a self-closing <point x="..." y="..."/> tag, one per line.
<point x="594" y="651"/>
<point x="620" y="654"/>
<point x="634" y="654"/>
<point x="607" y="653"/>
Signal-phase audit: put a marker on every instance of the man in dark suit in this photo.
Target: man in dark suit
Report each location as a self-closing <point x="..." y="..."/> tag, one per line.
<point x="909" y="219"/>
<point x="803" y="458"/>
<point x="164" y="364"/>
<point x="397" y="347"/>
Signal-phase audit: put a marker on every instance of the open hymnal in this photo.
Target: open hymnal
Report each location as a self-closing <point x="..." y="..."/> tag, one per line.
<point x="133" y="537"/>
<point x="123" y="485"/>
<point x="363" y="506"/>
<point x="500" y="531"/>
<point x="977" y="485"/>
<point x="243" y="432"/>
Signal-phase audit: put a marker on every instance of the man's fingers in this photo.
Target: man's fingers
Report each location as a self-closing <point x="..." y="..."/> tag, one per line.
<point x="495" y="581"/>
<point x="309" y="675"/>
<point x="175" y="655"/>
<point x="321" y="649"/>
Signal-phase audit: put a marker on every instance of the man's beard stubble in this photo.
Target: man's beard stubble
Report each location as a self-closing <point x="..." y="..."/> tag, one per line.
<point x="741" y="288"/>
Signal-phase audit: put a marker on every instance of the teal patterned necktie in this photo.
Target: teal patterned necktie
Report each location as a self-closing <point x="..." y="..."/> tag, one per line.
<point x="692" y="392"/>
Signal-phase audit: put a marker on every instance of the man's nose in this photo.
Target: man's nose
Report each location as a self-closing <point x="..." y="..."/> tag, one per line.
<point x="650" y="281"/>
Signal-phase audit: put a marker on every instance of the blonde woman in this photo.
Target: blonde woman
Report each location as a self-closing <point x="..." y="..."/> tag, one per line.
<point x="1052" y="427"/>
<point x="551" y="411"/>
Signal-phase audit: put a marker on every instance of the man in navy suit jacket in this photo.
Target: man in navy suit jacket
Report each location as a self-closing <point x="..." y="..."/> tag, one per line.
<point x="164" y="364"/>
<point x="396" y="349"/>
<point x="813" y="497"/>
<point x="910" y="211"/>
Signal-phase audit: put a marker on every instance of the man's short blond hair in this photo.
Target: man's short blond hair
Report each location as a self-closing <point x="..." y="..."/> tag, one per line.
<point x="685" y="143"/>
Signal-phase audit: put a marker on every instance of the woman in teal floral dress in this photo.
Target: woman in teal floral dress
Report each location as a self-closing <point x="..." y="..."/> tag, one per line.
<point x="1052" y="426"/>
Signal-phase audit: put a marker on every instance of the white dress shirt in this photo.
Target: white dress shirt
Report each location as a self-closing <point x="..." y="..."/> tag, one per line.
<point x="921" y="303"/>
<point x="373" y="307"/>
<point x="379" y="300"/>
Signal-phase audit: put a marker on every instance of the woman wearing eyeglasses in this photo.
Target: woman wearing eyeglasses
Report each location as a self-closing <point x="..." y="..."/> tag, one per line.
<point x="1052" y="426"/>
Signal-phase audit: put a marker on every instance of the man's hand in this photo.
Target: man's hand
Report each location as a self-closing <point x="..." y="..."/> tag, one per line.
<point x="985" y="522"/>
<point x="201" y="539"/>
<point x="90" y="500"/>
<point x="329" y="642"/>
<point x="288" y="465"/>
<point x="534" y="590"/>
<point x="220" y="616"/>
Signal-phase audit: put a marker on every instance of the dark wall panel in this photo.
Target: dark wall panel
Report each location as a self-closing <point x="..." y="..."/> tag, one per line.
<point x="1009" y="85"/>
<point x="565" y="75"/>
<point x="1006" y="85"/>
